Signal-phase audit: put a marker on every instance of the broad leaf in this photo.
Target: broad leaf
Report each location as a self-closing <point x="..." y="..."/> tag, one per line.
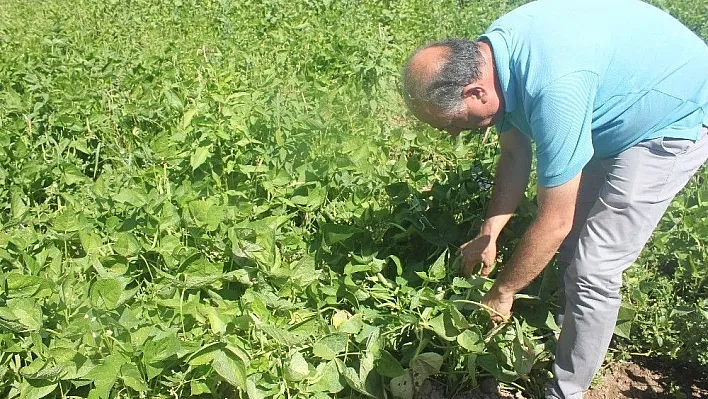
<point x="199" y="156"/>
<point x="106" y="293"/>
<point x="36" y="389"/>
<point x="297" y="368"/>
<point x="402" y="386"/>
<point x="471" y="340"/>
<point x="230" y="367"/>
<point x="132" y="378"/>
<point x="330" y="346"/>
<point x="388" y="366"/>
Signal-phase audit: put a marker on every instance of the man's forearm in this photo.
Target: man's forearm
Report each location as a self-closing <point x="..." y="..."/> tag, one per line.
<point x="511" y="179"/>
<point x="537" y="247"/>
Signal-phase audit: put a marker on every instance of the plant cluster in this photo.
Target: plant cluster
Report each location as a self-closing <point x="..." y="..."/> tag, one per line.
<point x="227" y="199"/>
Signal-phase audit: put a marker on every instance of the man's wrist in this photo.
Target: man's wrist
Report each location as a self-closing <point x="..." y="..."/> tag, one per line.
<point x="502" y="290"/>
<point x="488" y="229"/>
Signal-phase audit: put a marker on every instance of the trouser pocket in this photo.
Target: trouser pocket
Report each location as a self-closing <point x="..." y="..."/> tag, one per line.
<point x="675" y="146"/>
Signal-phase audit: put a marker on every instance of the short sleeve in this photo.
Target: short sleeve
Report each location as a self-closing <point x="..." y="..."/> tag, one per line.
<point x="561" y="122"/>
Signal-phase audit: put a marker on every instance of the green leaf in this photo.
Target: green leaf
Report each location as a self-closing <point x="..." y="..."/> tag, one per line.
<point x="252" y="390"/>
<point x="106" y="293"/>
<point x="297" y="368"/>
<point x="77" y="367"/>
<point x="90" y="241"/>
<point x="126" y="245"/>
<point x="399" y="192"/>
<point x="443" y="326"/>
<point x="366" y="365"/>
<point x="199" y="156"/>
<point x="216" y="321"/>
<point x="551" y="322"/>
<point x="26" y="312"/>
<point x="67" y="220"/>
<point x="425" y="365"/>
<point x="471" y="340"/>
<point x="205" y="214"/>
<point x="498" y="364"/>
<point x="389" y="366"/>
<point x="169" y="217"/>
<point x="40" y="370"/>
<point x="198" y="387"/>
<point x="18" y="205"/>
<point x="105" y="375"/>
<point x="334" y="233"/>
<point x="188" y="116"/>
<point x="330" y="346"/>
<point x="173" y="100"/>
<point x="201" y="267"/>
<point x="352" y="378"/>
<point x="352" y="325"/>
<point x="205" y="354"/>
<point x="625" y="316"/>
<point x="132" y="197"/>
<point x="230" y="367"/>
<point x="397" y="262"/>
<point x="161" y="347"/>
<point x="36" y="389"/>
<point x="437" y="270"/>
<point x="131" y="377"/>
<point x="22" y="286"/>
<point x="8" y="320"/>
<point x="402" y="386"/>
<point x="524" y="357"/>
<point x="128" y="319"/>
<point x="327" y="379"/>
<point x="303" y="272"/>
<point x="457" y="319"/>
<point x="283" y="336"/>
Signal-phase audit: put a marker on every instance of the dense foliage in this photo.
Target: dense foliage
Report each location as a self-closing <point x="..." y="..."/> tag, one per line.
<point x="228" y="199"/>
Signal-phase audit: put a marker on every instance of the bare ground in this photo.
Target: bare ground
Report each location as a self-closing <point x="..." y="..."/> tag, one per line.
<point x="627" y="380"/>
<point x="652" y="380"/>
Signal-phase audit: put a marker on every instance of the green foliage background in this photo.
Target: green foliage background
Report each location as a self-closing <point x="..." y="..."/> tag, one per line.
<point x="228" y="199"/>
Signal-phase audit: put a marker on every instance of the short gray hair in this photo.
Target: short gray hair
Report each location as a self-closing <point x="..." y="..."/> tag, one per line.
<point x="444" y="91"/>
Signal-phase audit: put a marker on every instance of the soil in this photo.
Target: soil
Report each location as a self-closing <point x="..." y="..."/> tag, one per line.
<point x="648" y="380"/>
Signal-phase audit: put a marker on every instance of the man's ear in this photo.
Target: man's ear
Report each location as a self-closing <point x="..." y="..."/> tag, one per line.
<point x="475" y="91"/>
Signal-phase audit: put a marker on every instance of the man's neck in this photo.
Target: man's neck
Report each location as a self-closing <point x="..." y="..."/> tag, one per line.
<point x="490" y="77"/>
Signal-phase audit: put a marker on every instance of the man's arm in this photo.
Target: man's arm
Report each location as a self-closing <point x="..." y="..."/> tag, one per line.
<point x="538" y="244"/>
<point x="512" y="177"/>
<point x="561" y="122"/>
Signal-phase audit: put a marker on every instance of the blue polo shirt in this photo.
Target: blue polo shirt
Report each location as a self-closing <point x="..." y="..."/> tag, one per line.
<point x="593" y="78"/>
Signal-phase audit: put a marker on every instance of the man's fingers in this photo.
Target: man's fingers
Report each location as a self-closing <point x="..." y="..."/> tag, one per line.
<point x="486" y="269"/>
<point x="471" y="258"/>
<point x="461" y="248"/>
<point x="467" y="268"/>
<point x="497" y="319"/>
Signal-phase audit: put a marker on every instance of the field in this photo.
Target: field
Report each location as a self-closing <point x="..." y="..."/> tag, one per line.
<point x="229" y="199"/>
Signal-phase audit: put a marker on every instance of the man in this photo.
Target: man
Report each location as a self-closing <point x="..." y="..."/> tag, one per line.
<point x="615" y="96"/>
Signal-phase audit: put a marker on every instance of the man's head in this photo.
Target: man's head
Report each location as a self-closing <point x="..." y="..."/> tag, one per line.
<point x="451" y="85"/>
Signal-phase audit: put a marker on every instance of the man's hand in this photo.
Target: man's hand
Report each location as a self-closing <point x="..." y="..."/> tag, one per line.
<point x="512" y="177"/>
<point x="499" y="304"/>
<point x="482" y="249"/>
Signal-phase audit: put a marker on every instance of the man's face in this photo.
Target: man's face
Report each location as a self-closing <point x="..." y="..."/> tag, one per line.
<point x="473" y="115"/>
